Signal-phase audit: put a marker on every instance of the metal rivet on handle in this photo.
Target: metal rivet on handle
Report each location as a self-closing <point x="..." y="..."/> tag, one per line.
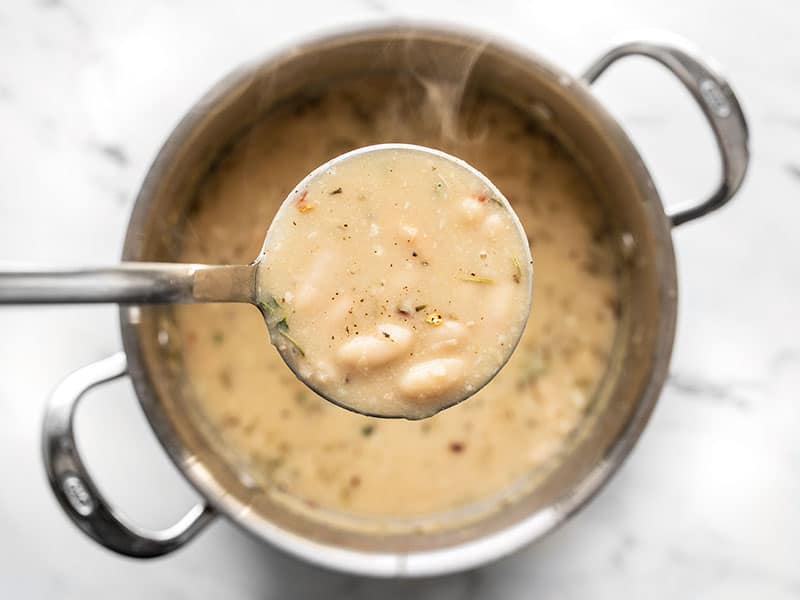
<point x="78" y="495"/>
<point x="715" y="98"/>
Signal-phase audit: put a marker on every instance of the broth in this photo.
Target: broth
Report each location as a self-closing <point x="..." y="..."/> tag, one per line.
<point x="285" y="437"/>
<point x="395" y="283"/>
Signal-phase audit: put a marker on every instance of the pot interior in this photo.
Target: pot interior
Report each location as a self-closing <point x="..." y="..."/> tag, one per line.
<point x="458" y="70"/>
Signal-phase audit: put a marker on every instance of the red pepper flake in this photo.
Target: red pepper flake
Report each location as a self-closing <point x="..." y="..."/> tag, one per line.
<point x="481" y="198"/>
<point x="456" y="447"/>
<point x="302" y="197"/>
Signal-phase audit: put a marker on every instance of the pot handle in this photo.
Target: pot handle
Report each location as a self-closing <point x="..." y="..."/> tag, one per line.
<point x="73" y="486"/>
<point x="718" y="103"/>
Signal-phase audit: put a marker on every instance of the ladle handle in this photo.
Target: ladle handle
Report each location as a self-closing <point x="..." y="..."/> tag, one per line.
<point x="131" y="283"/>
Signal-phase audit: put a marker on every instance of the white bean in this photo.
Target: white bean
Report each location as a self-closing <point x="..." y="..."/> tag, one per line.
<point x="494" y="224"/>
<point x="432" y="377"/>
<point x="369" y="351"/>
<point x="337" y="313"/>
<point x="499" y="304"/>
<point x="471" y="210"/>
<point x="447" y="336"/>
<point x="320" y="372"/>
<point x="316" y="278"/>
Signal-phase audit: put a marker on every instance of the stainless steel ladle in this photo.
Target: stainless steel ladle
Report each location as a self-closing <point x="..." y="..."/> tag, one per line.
<point x="177" y="283"/>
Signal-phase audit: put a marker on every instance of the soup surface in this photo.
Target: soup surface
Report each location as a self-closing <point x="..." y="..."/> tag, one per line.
<point x="396" y="282"/>
<point x="290" y="441"/>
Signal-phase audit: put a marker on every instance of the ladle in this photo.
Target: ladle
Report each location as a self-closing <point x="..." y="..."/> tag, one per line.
<point x="160" y="283"/>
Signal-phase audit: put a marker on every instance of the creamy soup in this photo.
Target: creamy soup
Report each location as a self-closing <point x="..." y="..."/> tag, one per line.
<point x="396" y="282"/>
<point x="291" y="442"/>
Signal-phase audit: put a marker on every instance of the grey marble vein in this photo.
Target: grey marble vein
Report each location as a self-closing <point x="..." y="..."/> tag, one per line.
<point x="114" y="153"/>
<point x="709" y="391"/>
<point x="793" y="169"/>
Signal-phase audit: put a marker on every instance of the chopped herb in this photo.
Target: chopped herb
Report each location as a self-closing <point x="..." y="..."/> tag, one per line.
<point x="367" y="430"/>
<point x="536" y="367"/>
<point x="272" y="464"/>
<point x="517" y="275"/>
<point x="274" y="315"/>
<point x="420" y="307"/>
<point x="218" y="337"/>
<point x="270" y="305"/>
<point x="336" y="191"/>
<point x="472" y="277"/>
<point x="434" y="319"/>
<point x="289" y="339"/>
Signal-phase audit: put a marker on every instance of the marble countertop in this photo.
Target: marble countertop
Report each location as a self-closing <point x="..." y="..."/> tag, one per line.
<point x="708" y="505"/>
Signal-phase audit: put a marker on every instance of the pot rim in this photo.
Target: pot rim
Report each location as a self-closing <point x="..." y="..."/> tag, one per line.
<point x="461" y="556"/>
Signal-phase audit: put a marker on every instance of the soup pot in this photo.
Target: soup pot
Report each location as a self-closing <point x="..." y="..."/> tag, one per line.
<point x="627" y="394"/>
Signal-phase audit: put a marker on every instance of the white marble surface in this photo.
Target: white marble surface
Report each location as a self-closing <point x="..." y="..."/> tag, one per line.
<point x="708" y="506"/>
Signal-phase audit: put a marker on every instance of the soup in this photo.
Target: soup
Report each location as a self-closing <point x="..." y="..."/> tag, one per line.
<point x="396" y="282"/>
<point x="291" y="442"/>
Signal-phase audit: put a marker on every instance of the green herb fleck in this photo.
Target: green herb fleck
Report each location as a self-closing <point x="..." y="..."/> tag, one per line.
<point x="420" y="307"/>
<point x="336" y="191"/>
<point x="269" y="306"/>
<point x="274" y="314"/>
<point x="536" y="367"/>
<point x="367" y="430"/>
<point x="272" y="464"/>
<point x="291" y="340"/>
<point x="218" y="337"/>
<point x="472" y="277"/>
<point x="517" y="275"/>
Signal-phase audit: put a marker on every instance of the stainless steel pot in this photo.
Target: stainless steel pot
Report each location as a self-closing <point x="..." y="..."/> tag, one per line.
<point x="635" y="374"/>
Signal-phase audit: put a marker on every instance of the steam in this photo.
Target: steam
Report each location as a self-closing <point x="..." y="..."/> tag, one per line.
<point x="434" y="94"/>
<point x="444" y="94"/>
